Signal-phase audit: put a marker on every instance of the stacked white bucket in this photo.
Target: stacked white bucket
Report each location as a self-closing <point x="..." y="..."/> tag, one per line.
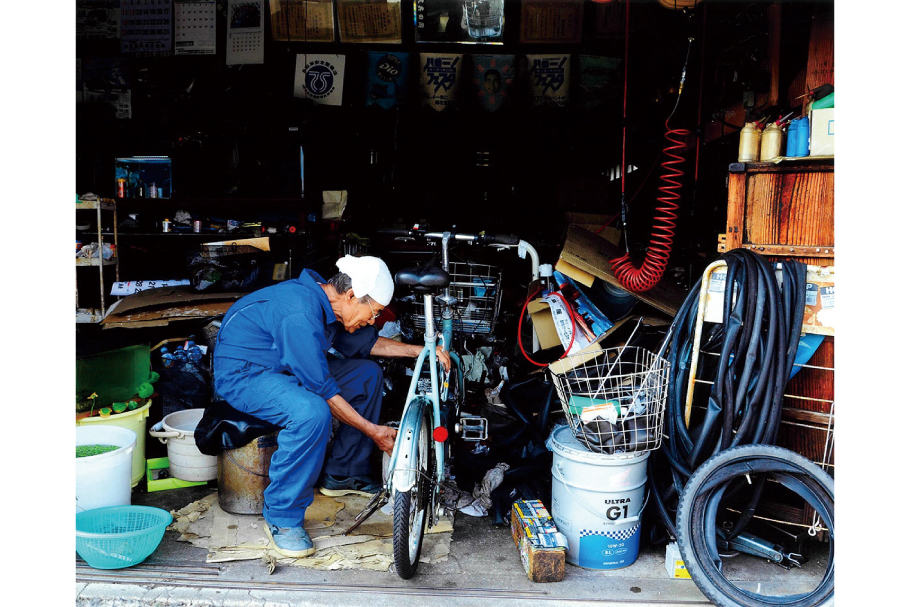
<point x="598" y="501"/>
<point x="599" y="490"/>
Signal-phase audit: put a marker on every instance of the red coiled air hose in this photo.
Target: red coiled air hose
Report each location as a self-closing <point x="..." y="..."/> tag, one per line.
<point x="658" y="254"/>
<point x="660" y="246"/>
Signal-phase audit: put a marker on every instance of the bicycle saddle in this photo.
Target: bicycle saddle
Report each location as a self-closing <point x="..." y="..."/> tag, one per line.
<point x="423" y="279"/>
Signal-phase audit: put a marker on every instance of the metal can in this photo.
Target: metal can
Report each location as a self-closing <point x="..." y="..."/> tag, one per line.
<point x="166" y="225"/>
<point x="121" y="188"/>
<point x="197" y="226"/>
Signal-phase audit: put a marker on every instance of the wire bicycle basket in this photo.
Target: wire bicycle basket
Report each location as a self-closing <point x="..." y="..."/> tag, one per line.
<point x="476" y="286"/>
<point x="614" y="399"/>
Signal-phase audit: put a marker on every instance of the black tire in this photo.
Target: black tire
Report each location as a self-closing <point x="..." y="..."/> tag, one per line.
<point x="698" y="506"/>
<point x="408" y="527"/>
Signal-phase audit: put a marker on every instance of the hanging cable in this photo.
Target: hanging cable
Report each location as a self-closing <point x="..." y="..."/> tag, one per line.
<point x="657" y="257"/>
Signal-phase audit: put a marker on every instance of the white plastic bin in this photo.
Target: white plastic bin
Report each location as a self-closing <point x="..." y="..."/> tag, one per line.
<point x="104" y="479"/>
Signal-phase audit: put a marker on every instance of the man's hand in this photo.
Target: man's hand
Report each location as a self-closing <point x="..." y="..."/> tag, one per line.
<point x="443" y="357"/>
<point x="384" y="437"/>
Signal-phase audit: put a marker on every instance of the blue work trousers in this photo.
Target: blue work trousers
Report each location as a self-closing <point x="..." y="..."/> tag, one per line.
<point x="306" y="424"/>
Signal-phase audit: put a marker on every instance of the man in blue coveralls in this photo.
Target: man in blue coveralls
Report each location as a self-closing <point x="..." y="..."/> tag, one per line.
<point x="276" y="358"/>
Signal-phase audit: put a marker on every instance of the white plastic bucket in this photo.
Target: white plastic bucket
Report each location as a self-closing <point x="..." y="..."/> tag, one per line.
<point x="187" y="462"/>
<point x="597" y="502"/>
<point x="104" y="479"/>
<point x="134" y="420"/>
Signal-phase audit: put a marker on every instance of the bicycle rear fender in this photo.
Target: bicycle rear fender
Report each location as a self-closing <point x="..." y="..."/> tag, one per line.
<point x="403" y="463"/>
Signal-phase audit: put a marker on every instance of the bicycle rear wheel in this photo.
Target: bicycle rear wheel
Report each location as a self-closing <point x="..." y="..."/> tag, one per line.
<point x="411" y="513"/>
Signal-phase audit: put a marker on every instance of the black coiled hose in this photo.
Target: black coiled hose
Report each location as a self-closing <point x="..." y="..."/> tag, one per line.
<point x="757" y="345"/>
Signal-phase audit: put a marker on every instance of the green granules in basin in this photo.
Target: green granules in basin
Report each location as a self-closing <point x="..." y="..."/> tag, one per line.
<point x="88" y="450"/>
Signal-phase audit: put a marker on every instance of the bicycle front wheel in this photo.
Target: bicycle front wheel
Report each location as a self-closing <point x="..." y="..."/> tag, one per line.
<point x="411" y="514"/>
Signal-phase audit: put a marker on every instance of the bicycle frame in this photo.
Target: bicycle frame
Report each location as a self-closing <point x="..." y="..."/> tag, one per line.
<point x="403" y="463"/>
<point x="402" y="473"/>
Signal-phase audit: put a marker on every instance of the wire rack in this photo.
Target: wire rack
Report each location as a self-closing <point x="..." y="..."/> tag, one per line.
<point x="614" y="399"/>
<point x="476" y="286"/>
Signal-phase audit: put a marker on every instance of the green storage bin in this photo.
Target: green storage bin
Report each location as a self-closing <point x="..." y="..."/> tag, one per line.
<point x="114" y="375"/>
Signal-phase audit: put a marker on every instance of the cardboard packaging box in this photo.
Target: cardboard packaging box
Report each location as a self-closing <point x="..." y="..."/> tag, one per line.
<point x="821" y="132"/>
<point x="541" y="546"/>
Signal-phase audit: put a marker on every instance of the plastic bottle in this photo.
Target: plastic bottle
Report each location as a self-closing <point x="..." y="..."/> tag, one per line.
<point x="194" y="353"/>
<point x="181" y="357"/>
<point x="800" y="128"/>
<point x="791" y="141"/>
<point x="749" y="143"/>
<point x="770" y="142"/>
<point x="167" y="359"/>
<point x="153" y="191"/>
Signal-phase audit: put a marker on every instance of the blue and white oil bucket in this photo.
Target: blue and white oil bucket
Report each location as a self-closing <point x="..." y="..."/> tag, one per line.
<point x="598" y="501"/>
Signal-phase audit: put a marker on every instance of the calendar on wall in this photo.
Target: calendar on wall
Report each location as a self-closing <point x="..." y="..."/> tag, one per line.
<point x="194" y="27"/>
<point x="145" y="27"/>
<point x="245" y="32"/>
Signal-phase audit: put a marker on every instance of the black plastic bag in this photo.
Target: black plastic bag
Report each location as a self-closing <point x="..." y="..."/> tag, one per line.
<point x="223" y="427"/>
<point x="226" y="268"/>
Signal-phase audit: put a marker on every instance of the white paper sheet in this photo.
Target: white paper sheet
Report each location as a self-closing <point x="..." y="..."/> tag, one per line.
<point x="194" y="27"/>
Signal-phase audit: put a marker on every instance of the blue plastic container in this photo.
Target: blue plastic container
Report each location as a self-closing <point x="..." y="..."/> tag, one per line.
<point x="119" y="536"/>
<point x="800" y="128"/>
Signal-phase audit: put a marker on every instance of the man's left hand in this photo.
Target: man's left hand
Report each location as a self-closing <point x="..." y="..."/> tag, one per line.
<point x="443" y="357"/>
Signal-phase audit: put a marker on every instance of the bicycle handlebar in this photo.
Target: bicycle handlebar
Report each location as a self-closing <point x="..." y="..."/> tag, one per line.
<point x="488" y="239"/>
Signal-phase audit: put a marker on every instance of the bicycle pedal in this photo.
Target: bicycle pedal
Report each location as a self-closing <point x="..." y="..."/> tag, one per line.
<point x="472" y="428"/>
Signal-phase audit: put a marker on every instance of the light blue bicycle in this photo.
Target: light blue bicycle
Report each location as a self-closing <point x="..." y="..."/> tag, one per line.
<point x="416" y="467"/>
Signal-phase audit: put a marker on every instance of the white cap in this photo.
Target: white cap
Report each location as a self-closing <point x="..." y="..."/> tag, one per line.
<point x="369" y="276"/>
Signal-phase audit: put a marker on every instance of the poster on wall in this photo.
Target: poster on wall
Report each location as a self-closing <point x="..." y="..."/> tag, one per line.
<point x="439" y="75"/>
<point x="493" y="76"/>
<point x="599" y="80"/>
<point x="245" y="27"/>
<point x="194" y="27"/>
<point x="551" y="21"/>
<point x="302" y="20"/>
<point x="145" y="27"/>
<point x="106" y="81"/>
<point x="549" y="79"/>
<point x="97" y="19"/>
<point x="460" y="21"/>
<point x="609" y="20"/>
<point x="320" y="78"/>
<point x="387" y="77"/>
<point x="370" y="21"/>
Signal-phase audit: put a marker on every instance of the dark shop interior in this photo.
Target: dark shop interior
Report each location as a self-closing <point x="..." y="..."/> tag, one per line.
<point x="493" y="302"/>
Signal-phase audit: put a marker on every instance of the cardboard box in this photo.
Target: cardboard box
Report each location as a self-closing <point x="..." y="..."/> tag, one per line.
<point x="821" y="132"/>
<point x="594" y="223"/>
<point x="586" y="256"/>
<point x="541" y="546"/>
<point x="160" y="307"/>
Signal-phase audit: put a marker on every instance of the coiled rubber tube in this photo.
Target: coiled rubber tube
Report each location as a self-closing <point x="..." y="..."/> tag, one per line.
<point x="658" y="254"/>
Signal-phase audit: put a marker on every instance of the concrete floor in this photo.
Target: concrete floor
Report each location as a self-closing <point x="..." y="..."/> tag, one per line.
<point x="483" y="568"/>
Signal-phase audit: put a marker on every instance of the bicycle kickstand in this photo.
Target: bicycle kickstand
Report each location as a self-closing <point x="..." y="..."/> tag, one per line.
<point x="379" y="500"/>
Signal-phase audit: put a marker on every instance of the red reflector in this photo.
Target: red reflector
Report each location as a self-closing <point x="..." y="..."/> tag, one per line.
<point x="440" y="434"/>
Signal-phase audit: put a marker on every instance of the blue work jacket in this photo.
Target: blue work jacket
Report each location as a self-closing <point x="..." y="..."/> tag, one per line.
<point x="291" y="327"/>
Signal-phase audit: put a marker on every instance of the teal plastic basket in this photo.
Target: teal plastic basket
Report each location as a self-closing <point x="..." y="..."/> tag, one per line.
<point x="119" y="536"/>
